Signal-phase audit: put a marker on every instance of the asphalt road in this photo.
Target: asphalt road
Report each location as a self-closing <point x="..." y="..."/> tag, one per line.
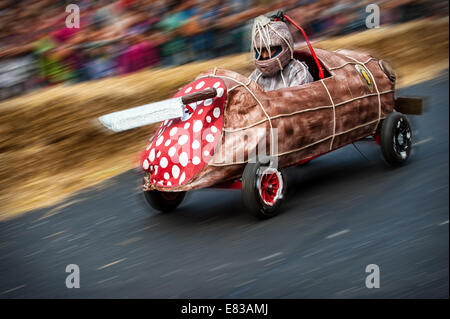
<point x="342" y="212"/>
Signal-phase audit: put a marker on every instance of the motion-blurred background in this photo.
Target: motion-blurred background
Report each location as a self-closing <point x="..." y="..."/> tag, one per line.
<point x="121" y="37"/>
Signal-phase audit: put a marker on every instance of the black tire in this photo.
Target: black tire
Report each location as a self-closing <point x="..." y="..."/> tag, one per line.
<point x="252" y="194"/>
<point x="164" y="201"/>
<point x="395" y="139"/>
<point x="306" y="163"/>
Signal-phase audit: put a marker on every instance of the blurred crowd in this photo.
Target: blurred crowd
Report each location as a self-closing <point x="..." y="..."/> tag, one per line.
<point x="123" y="36"/>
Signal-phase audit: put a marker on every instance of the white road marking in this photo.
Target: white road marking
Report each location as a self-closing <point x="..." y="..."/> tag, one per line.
<point x="129" y="241"/>
<point x="105" y="220"/>
<point x="13" y="289"/>
<point x="245" y="283"/>
<point x="32" y="254"/>
<point x="423" y="141"/>
<point x="443" y="223"/>
<point x="342" y="232"/>
<point x="274" y="262"/>
<point x="77" y="237"/>
<point x="220" y="267"/>
<point x="170" y="273"/>
<point x="107" y="279"/>
<point x="142" y="229"/>
<point x="217" y="277"/>
<point x="68" y="248"/>
<point x="37" y="225"/>
<point x="55" y="234"/>
<point x="110" y="264"/>
<point x="313" y="253"/>
<point x="271" y="256"/>
<point x="58" y="209"/>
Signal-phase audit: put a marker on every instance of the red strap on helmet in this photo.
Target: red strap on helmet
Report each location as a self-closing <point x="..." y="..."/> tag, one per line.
<point x="321" y="73"/>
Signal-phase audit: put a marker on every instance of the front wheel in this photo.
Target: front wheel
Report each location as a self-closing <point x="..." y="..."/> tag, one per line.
<point x="164" y="201"/>
<point x="395" y="139"/>
<point x="263" y="188"/>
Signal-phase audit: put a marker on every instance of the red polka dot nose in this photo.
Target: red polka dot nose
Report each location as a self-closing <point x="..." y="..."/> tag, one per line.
<point x="182" y="147"/>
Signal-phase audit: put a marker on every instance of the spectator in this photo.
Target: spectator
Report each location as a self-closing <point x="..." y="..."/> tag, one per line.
<point x="199" y="31"/>
<point x="141" y="54"/>
<point x="174" y="50"/>
<point x="124" y="36"/>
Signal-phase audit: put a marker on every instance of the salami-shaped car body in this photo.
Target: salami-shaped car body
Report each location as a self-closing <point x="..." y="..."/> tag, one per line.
<point x="218" y="143"/>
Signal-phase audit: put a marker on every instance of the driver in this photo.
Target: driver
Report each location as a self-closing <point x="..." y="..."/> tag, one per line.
<point x="273" y="49"/>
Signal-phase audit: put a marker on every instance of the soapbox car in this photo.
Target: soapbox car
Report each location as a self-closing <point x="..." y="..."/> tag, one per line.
<point x="216" y="140"/>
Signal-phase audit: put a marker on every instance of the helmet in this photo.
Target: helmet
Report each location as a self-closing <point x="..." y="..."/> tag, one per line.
<point x="275" y="37"/>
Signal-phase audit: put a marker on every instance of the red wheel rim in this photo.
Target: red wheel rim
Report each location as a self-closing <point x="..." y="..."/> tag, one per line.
<point x="270" y="186"/>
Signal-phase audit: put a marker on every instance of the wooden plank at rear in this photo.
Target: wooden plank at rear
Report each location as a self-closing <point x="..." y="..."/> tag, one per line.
<point x="409" y="105"/>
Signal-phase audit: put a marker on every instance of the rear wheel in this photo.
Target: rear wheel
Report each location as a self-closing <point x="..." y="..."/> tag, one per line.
<point x="395" y="139"/>
<point x="164" y="201"/>
<point x="263" y="188"/>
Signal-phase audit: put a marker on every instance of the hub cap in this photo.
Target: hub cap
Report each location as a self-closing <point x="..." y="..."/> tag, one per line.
<point x="402" y="138"/>
<point x="270" y="186"/>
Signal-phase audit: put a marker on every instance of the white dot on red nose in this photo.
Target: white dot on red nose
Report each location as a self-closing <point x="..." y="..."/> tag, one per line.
<point x="208" y="119"/>
<point x="189" y="89"/>
<point x="186" y="126"/>
<point x="172" y="151"/>
<point x="183" y="176"/>
<point x="167" y="143"/>
<point x="151" y="156"/>
<point x="173" y="131"/>
<point x="200" y="85"/>
<point x="166" y="175"/>
<point x="217" y="84"/>
<point x="175" y="171"/>
<point x="216" y="112"/>
<point x="183" y="159"/>
<point x="169" y="183"/>
<point x="183" y="139"/>
<point x="213" y="129"/>
<point x="145" y="164"/>
<point x="197" y="126"/>
<point x="159" y="141"/>
<point x="210" y="138"/>
<point x="200" y="111"/>
<point x="163" y="162"/>
<point x="158" y="154"/>
<point x="195" y="144"/>
<point x="219" y="92"/>
<point x="196" y="160"/>
<point x="208" y="102"/>
<point x="206" y="153"/>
